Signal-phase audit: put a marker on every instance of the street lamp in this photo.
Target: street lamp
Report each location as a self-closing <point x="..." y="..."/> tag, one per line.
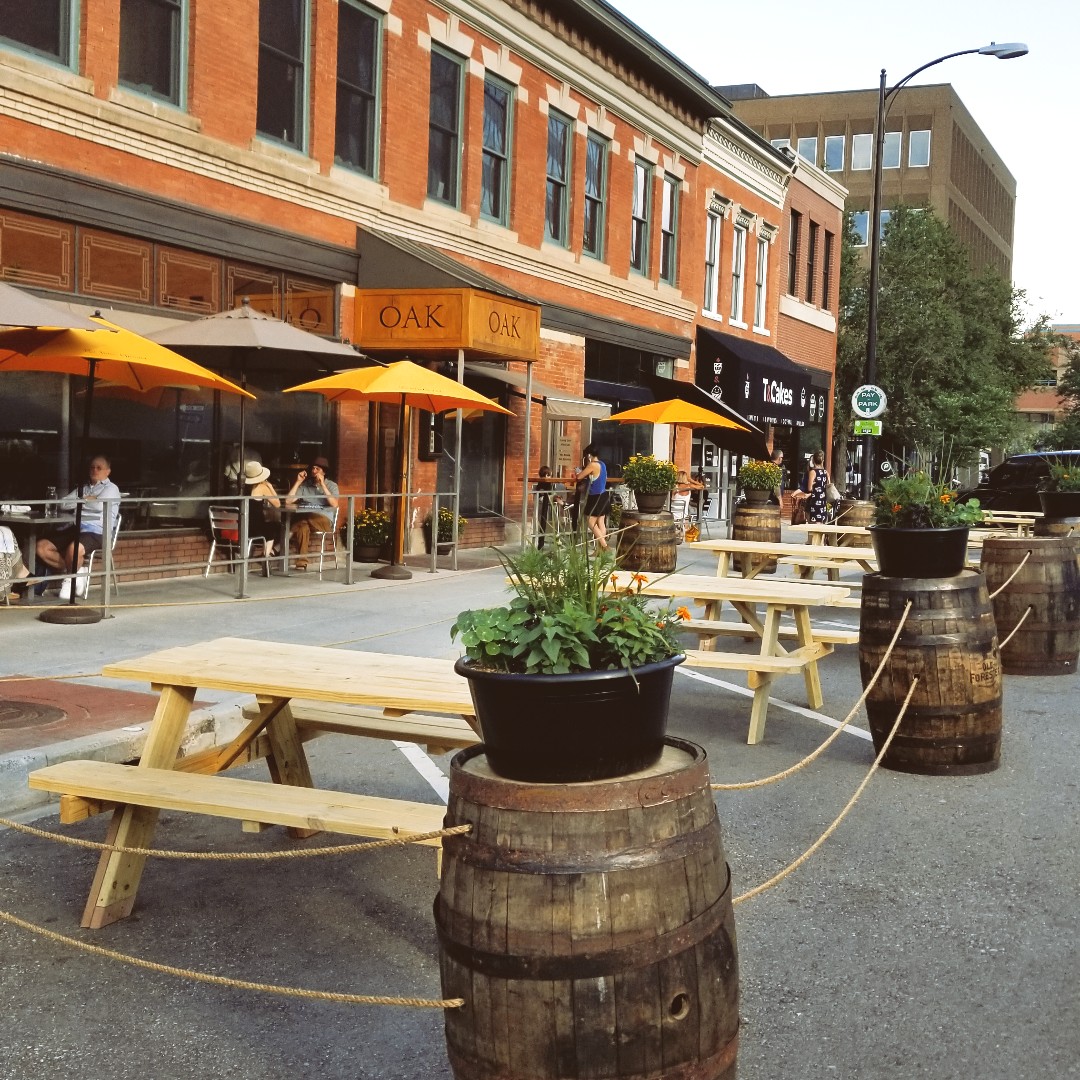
<point x="1007" y="51"/>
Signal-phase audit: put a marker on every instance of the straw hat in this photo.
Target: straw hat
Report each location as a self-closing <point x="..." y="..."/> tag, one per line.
<point x="255" y="472"/>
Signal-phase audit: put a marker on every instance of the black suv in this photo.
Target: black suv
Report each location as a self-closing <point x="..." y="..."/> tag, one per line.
<point x="1014" y="484"/>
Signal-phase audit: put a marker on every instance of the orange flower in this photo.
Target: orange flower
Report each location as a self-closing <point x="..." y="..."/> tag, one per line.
<point x="897" y="508"/>
<point x="660" y="625"/>
<point x="683" y="613"/>
<point x="946" y="497"/>
<point x="639" y="579"/>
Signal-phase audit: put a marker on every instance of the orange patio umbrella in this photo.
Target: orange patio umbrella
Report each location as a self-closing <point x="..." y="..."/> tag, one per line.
<point x="677" y="412"/>
<point x="410" y="386"/>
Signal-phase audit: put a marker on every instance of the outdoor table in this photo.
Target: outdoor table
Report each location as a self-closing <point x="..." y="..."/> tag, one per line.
<point x="806" y="558"/>
<point x="772" y="659"/>
<point x="29" y="524"/>
<point x="275" y="673"/>
<point x="1020" y="522"/>
<point x="829" y="533"/>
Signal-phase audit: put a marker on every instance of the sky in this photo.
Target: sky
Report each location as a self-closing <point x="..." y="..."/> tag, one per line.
<point x="1026" y="107"/>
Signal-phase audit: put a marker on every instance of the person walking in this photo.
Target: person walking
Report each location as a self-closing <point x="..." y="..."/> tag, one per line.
<point x="817" y="480"/>
<point x="597" y="498"/>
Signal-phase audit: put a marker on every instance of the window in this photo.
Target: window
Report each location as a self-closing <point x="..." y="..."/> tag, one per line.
<point x="890" y="150"/>
<point x="761" y="275"/>
<point x="495" y="173"/>
<point x="738" y="269"/>
<point x="781" y="144"/>
<point x="639" y="224"/>
<point x="807" y="148"/>
<point x="596" y="156"/>
<point x="883" y="219"/>
<point x="41" y="26"/>
<point x="862" y="152"/>
<point x="357" y="80"/>
<point x="558" y="179"/>
<point x="918" y="153"/>
<point x="444" y="129"/>
<point x="151" y="37"/>
<point x="860" y="222"/>
<point x="669" y="220"/>
<point x="713" y="224"/>
<point x="834" y="153"/>
<point x="826" y="270"/>
<point x="282" y="93"/>
<point x="793" y="253"/>
<point x="811" y="260"/>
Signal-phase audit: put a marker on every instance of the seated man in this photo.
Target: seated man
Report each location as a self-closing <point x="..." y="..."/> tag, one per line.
<point x="58" y="550"/>
<point x="311" y="496"/>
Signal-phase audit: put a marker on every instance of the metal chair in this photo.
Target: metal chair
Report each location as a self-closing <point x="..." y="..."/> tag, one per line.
<point x="329" y="536"/>
<point x="93" y="558"/>
<point x="225" y="536"/>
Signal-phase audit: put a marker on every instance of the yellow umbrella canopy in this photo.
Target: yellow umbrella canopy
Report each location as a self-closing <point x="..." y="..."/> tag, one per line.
<point x="400" y="383"/>
<point x="122" y="358"/>
<point x="676" y="411"/>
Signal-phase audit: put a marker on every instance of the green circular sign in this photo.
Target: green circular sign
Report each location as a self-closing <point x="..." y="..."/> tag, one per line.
<point x="869" y="401"/>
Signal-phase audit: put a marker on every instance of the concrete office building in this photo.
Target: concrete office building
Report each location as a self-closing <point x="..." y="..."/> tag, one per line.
<point x="934" y="154"/>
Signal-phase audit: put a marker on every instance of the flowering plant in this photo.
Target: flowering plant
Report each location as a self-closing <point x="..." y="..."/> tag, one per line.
<point x="759" y="475"/>
<point x="446" y="526"/>
<point x="566" y="616"/>
<point x="915" y="501"/>
<point x="371" y="527"/>
<point x="1063" y="478"/>
<point x="646" y="473"/>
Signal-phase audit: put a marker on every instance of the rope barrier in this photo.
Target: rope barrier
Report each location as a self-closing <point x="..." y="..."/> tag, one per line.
<point x="221" y="980"/>
<point x="794" y="865"/>
<point x="1005" y="584"/>
<point x="814" y="755"/>
<point x="1027" y="612"/>
<point x="236" y="856"/>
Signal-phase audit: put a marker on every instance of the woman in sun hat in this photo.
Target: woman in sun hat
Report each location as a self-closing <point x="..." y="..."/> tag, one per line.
<point x="265" y="512"/>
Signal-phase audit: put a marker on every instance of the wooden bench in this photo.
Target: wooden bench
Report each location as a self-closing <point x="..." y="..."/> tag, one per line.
<point x="252" y="802"/>
<point x="809" y="562"/>
<point x="715" y="628"/>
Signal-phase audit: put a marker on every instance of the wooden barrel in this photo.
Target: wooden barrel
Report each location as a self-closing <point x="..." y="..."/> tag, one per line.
<point x="647" y="542"/>
<point x="760" y="524"/>
<point x="588" y="927"/>
<point x="1048" y="582"/>
<point x="856" y="514"/>
<point x="953" y="724"/>
<point x="1067" y="526"/>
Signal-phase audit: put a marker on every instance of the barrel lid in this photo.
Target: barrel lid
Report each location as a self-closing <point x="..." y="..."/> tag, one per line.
<point x="683" y="768"/>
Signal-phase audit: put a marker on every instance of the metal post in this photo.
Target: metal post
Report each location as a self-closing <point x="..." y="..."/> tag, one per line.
<point x="527" y="451"/>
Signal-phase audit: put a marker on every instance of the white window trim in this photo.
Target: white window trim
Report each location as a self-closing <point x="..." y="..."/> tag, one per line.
<point x="869" y="157"/>
<point x="712" y="303"/>
<point x="843" y="153"/>
<point x="738" y="274"/>
<point x="929" y="143"/>
<point x="899" y="149"/>
<point x="761" y="284"/>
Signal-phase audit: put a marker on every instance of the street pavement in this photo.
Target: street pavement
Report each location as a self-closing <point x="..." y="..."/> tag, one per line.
<point x="933" y="935"/>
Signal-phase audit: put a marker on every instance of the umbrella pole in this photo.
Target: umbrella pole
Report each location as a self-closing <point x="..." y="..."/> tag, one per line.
<point x="397" y="570"/>
<point x="71" y="612"/>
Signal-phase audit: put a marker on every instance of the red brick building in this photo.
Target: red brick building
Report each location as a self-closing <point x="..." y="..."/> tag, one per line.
<point x="165" y="159"/>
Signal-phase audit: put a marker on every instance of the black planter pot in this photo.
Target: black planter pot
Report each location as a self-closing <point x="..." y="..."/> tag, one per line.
<point x="567" y="729"/>
<point x="367" y="552"/>
<point x="757" y="496"/>
<point x="920" y="553"/>
<point x="651" y="502"/>
<point x="1060" y="504"/>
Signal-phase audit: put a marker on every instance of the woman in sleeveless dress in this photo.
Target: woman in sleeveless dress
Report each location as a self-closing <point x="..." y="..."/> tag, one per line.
<point x="597" y="498"/>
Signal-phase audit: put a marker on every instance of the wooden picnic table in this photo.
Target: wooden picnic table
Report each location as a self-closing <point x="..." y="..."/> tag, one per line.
<point x="1019" y="522"/>
<point x="276" y="673"/>
<point x="822" y="533"/>
<point x="805" y="558"/>
<point x="772" y="659"/>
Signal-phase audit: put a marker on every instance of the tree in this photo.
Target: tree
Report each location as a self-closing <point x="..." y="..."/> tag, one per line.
<point x="953" y="352"/>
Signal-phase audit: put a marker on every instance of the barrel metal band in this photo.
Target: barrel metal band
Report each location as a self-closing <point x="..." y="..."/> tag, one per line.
<point x="512" y="860"/>
<point x="588" y="965"/>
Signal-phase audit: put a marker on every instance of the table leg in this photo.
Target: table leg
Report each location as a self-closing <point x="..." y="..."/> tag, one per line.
<point x="286" y="760"/>
<point x="759" y="681"/>
<point x="116" y="882"/>
<point x="810" y="673"/>
<point x="723" y="563"/>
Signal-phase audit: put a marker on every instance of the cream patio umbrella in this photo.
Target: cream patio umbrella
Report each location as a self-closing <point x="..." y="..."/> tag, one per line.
<point x="410" y="386"/>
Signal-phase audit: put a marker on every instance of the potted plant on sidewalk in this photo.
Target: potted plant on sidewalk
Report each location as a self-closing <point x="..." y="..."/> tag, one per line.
<point x="757" y="480"/>
<point x="571" y="679"/>
<point x="446" y="534"/>
<point x="371" y="533"/>
<point x="652" y="481"/>
<point x="1059" y="494"/>
<point x="920" y="529"/>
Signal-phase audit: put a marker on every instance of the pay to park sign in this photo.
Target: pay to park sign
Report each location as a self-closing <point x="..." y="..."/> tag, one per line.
<point x="869" y="402"/>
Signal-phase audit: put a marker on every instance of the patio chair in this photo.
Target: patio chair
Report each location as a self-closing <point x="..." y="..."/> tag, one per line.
<point x="225" y="538"/>
<point x="93" y="558"/>
<point x="328" y="537"/>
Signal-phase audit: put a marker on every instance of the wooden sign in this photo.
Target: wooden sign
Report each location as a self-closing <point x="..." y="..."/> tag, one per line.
<point x="419" y="320"/>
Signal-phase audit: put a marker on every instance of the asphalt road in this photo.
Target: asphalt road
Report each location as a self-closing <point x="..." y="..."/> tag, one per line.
<point x="933" y="935"/>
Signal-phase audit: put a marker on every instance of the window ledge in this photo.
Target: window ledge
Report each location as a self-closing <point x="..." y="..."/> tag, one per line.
<point x="52" y="71"/>
<point x="807" y="313"/>
<point x="452" y="213"/>
<point x="149" y="106"/>
<point x="712" y="316"/>
<point x="762" y="330"/>
<point x="285" y="155"/>
<point x="740" y="325"/>
<point x="496" y="229"/>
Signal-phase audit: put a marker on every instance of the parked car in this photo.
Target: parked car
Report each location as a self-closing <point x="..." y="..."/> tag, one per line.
<point x="1014" y="484"/>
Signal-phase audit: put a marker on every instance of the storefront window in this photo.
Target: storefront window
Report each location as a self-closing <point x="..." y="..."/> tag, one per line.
<point x="483" y="450"/>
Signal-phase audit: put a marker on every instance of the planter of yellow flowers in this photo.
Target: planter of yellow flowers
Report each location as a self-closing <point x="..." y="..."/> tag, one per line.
<point x="371" y="534"/>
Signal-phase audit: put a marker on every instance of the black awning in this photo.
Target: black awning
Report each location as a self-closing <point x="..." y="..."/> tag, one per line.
<point x="758" y="380"/>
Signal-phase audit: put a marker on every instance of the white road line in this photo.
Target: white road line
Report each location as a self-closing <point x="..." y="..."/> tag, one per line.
<point x="426" y="768"/>
<point x="862" y="733"/>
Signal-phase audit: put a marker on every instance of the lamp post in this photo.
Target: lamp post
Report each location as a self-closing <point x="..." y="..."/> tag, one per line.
<point x="1007" y="51"/>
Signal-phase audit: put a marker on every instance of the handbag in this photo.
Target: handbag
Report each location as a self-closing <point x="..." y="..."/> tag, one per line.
<point x="798" y="512"/>
<point x="831" y="494"/>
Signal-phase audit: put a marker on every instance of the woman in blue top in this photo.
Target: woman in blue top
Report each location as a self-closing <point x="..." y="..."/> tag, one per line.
<point x="597" y="499"/>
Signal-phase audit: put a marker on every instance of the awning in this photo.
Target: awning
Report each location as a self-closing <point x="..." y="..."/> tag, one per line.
<point x="758" y="380"/>
<point x="748" y="443"/>
<point x="559" y="404"/>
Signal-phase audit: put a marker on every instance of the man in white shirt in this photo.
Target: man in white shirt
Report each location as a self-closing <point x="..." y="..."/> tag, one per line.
<point x="314" y="498"/>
